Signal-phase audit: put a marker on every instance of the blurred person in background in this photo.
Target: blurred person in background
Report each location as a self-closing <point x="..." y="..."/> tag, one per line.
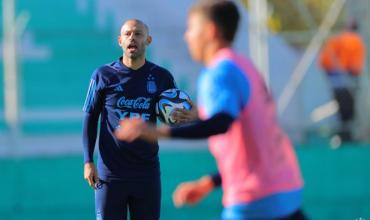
<point x="342" y="58"/>
<point x="258" y="168"/>
<point x="127" y="177"/>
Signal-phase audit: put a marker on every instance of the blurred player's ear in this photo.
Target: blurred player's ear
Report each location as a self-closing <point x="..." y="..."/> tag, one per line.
<point x="149" y="40"/>
<point x="211" y="30"/>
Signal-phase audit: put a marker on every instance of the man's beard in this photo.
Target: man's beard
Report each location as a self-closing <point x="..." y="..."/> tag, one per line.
<point x="136" y="55"/>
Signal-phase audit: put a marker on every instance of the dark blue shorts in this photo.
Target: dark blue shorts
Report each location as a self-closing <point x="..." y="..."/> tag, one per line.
<point x="141" y="198"/>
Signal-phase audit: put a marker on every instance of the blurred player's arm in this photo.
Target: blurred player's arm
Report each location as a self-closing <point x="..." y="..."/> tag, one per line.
<point x="194" y="191"/>
<point x="221" y="105"/>
<point x="217" y="124"/>
<point x="216" y="179"/>
<point x="133" y="128"/>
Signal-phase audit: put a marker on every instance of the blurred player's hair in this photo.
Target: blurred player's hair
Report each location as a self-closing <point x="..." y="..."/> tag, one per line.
<point x="224" y="14"/>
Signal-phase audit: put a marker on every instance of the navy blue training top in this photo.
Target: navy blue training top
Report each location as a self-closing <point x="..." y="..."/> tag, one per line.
<point x="116" y="92"/>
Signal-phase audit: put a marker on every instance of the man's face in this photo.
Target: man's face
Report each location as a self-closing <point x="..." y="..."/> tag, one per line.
<point x="134" y="39"/>
<point x="195" y="36"/>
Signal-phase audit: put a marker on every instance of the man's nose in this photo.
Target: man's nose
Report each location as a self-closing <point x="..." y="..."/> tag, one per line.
<point x="132" y="36"/>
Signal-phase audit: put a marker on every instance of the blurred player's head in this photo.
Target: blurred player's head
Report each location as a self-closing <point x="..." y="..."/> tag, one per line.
<point x="134" y="38"/>
<point x="212" y="24"/>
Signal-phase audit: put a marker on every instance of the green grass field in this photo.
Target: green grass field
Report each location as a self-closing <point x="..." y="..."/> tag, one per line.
<point x="336" y="185"/>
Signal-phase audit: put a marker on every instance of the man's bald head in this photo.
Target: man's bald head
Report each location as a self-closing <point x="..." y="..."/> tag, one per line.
<point x="134" y="38"/>
<point x="137" y="22"/>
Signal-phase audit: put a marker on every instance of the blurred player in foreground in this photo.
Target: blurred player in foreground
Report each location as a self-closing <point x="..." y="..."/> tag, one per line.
<point x="128" y="174"/>
<point x="257" y="165"/>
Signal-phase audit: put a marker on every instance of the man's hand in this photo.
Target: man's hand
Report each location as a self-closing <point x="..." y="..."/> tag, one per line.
<point x="91" y="174"/>
<point x="133" y="128"/>
<point x="183" y="115"/>
<point x="192" y="192"/>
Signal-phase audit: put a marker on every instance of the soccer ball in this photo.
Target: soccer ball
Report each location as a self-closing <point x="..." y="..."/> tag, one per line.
<point x="168" y="101"/>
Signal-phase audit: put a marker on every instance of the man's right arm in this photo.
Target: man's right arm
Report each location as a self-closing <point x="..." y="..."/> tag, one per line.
<point x="89" y="134"/>
<point x="92" y="109"/>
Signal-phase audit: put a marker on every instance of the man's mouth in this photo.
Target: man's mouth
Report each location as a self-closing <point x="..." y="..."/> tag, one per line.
<point x="132" y="47"/>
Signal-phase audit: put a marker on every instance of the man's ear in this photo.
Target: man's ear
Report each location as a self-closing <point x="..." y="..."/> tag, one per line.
<point x="119" y="41"/>
<point x="149" y="40"/>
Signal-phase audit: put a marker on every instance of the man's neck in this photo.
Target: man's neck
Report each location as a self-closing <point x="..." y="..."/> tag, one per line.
<point x="133" y="63"/>
<point x="212" y="50"/>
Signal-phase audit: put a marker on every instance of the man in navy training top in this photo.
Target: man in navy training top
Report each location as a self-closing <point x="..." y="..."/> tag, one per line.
<point x="128" y="174"/>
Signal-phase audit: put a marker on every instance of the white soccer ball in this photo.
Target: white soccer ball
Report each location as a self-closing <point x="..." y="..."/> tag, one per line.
<point x="168" y="101"/>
